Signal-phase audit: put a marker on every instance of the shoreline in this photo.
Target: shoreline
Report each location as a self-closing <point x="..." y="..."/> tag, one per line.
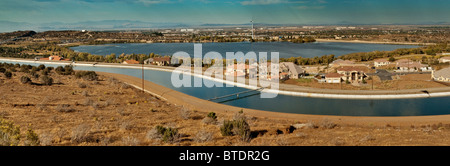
<point x="194" y="103"/>
<point x="373" y="42"/>
<point x="300" y="91"/>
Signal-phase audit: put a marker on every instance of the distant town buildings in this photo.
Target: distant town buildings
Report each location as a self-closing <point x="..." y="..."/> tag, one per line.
<point x="381" y="62"/>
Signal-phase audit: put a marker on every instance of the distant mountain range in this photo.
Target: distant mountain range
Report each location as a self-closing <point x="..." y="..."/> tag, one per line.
<point x="10" y="26"/>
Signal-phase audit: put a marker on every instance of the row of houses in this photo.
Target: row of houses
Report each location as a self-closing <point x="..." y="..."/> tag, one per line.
<point x="51" y="58"/>
<point x="160" y="61"/>
<point x="287" y="70"/>
<point x="404" y="65"/>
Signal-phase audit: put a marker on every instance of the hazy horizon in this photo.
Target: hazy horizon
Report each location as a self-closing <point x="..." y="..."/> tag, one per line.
<point x="61" y="14"/>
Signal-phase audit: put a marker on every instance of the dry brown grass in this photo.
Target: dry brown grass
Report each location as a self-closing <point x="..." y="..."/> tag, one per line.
<point x="125" y="116"/>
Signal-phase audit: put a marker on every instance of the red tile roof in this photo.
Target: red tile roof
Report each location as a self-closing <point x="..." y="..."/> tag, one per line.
<point x="131" y="62"/>
<point x="353" y="68"/>
<point x="333" y="75"/>
<point x="161" y="59"/>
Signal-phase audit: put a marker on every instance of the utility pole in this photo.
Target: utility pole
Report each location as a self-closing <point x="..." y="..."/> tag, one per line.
<point x="252" y="29"/>
<point x="372" y="81"/>
<point x="143" y="91"/>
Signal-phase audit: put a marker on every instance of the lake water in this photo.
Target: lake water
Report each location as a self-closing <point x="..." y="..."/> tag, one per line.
<point x="286" y="49"/>
<point x="294" y="104"/>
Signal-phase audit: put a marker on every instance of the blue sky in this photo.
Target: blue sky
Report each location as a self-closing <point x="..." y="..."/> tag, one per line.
<point x="229" y="11"/>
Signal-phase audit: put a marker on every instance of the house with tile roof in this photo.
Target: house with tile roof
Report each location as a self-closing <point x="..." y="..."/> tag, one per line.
<point x="442" y="75"/>
<point x="333" y="78"/>
<point x="353" y="74"/>
<point x="293" y="71"/>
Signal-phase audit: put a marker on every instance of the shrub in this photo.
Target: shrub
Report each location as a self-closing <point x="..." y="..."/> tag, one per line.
<point x="41" y="67"/>
<point x="85" y="94"/>
<point x="236" y="127"/>
<point x="66" y="70"/>
<point x="327" y="124"/>
<point x="203" y="136"/>
<point x="60" y="70"/>
<point x="125" y="86"/>
<point x="44" y="72"/>
<point x="241" y="128"/>
<point x="185" y="113"/>
<point x="113" y="81"/>
<point x="2" y="70"/>
<point x="9" y="133"/>
<point x="227" y="128"/>
<point x="32" y="139"/>
<point x="209" y="120"/>
<point x="80" y="133"/>
<point x="25" y="80"/>
<point x="87" y="75"/>
<point x="34" y="75"/>
<point x="212" y="115"/>
<point x="130" y="141"/>
<point x="8" y="74"/>
<point x="82" y="85"/>
<point x="64" y="108"/>
<point x="46" y="80"/>
<point x="168" y="134"/>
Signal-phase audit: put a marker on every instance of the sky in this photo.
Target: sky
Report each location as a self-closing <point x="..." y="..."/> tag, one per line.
<point x="229" y="11"/>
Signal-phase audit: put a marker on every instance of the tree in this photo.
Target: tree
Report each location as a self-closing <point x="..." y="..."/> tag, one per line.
<point x="25" y="80"/>
<point x="46" y="80"/>
<point x="391" y="59"/>
<point x="8" y="74"/>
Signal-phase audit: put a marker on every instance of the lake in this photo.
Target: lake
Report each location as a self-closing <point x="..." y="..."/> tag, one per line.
<point x="286" y="49"/>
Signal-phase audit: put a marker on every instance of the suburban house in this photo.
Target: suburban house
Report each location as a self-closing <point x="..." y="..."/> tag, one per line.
<point x="340" y="62"/>
<point x="148" y="61"/>
<point x="411" y="66"/>
<point x="441" y="75"/>
<point x="54" y="58"/>
<point x="161" y="61"/>
<point x="265" y="70"/>
<point x="241" y="70"/>
<point x="444" y="59"/>
<point x="353" y="74"/>
<point x="381" y="62"/>
<point x="444" y="53"/>
<point x="37" y="58"/>
<point x="333" y="78"/>
<point x="237" y="70"/>
<point x="293" y="71"/>
<point x="130" y="62"/>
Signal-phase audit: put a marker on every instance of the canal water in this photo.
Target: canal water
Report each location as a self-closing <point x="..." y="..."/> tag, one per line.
<point x="293" y="104"/>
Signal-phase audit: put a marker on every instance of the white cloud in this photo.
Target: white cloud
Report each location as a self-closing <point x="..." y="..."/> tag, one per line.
<point x="152" y="2"/>
<point x="268" y="2"/>
<point x="310" y="7"/>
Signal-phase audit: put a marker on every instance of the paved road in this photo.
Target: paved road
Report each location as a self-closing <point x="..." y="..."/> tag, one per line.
<point x="383" y="74"/>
